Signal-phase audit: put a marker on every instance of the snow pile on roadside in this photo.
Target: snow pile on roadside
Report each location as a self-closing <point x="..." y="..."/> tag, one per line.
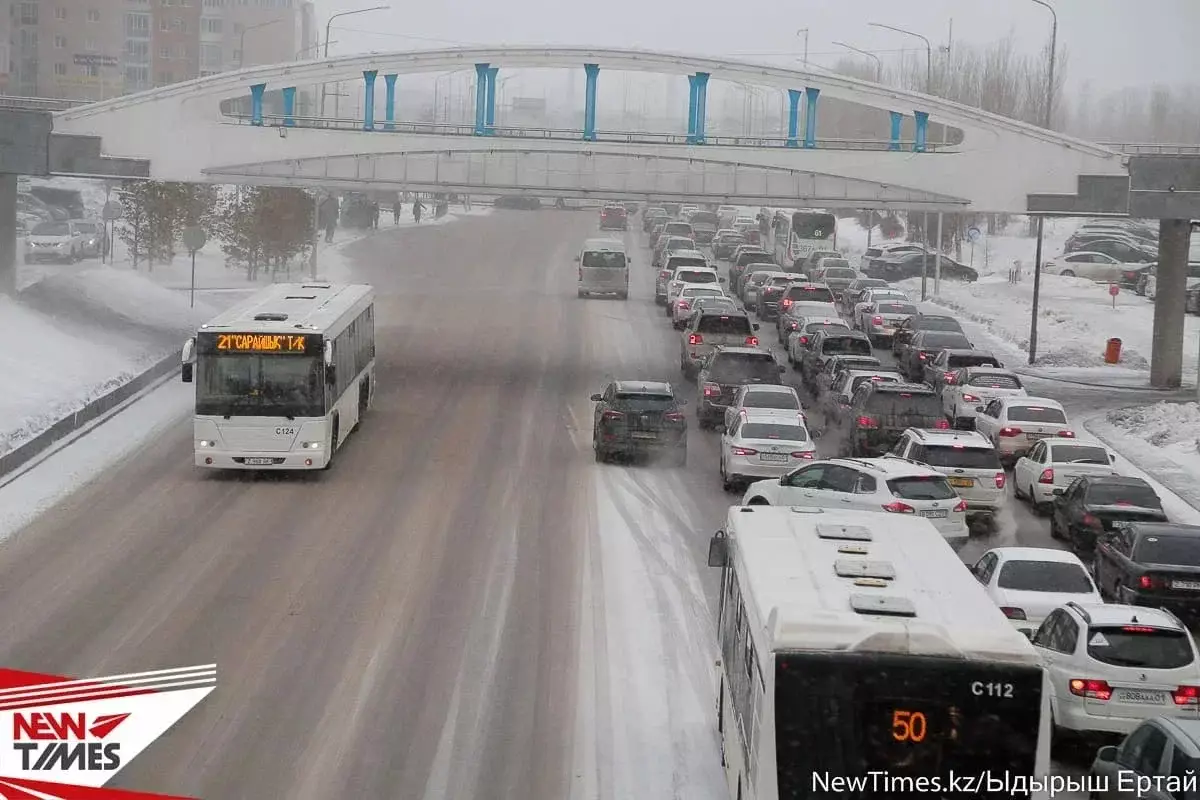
<point x="132" y="297"/>
<point x="1173" y="427"/>
<point x="1163" y="439"/>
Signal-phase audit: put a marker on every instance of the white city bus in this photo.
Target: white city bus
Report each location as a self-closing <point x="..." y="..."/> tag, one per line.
<point x="796" y="234"/>
<point x="859" y="654"/>
<point x="282" y="378"/>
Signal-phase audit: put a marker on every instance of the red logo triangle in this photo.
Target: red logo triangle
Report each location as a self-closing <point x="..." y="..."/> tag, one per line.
<point x="104" y="725"/>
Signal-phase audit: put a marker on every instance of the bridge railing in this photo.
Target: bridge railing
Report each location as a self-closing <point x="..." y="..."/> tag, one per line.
<point x="562" y="134"/>
<point x="1153" y="148"/>
<point x="38" y="103"/>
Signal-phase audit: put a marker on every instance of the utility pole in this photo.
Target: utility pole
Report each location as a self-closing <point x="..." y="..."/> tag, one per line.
<point x="1037" y="257"/>
<point x="328" y="25"/>
<point x="804" y="32"/>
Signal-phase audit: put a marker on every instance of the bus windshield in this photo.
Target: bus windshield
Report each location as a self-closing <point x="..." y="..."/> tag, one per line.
<point x="813" y="224"/>
<point x="260" y="385"/>
<point x="851" y="715"/>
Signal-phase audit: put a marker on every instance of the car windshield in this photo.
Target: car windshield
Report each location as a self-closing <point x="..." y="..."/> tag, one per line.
<point x="699" y="292"/>
<point x="716" y="303"/>
<point x="604" y="258"/>
<point x="86" y="227"/>
<point x="680" y="227"/>
<point x="1078" y="454"/>
<point x="961" y="456"/>
<point x="641" y="401"/>
<point x="813" y="327"/>
<point x="846" y="344"/>
<point x="995" y="380"/>
<point x="784" y="400"/>
<point x="1054" y="416"/>
<point x="921" y="487"/>
<point x="810" y="294"/>
<point x="1044" y="576"/>
<point x="52" y="229"/>
<point x="839" y="272"/>
<point x="696" y="276"/>
<point x="944" y="341"/>
<point x="770" y="430"/>
<point x="686" y="261"/>
<point x="753" y="257"/>
<point x="957" y="362"/>
<point x="896" y="308"/>
<point x="723" y="324"/>
<point x="680" y="244"/>
<point x="742" y="368"/>
<point x="1139" y="646"/>
<point x="1122" y="494"/>
<point x="927" y="323"/>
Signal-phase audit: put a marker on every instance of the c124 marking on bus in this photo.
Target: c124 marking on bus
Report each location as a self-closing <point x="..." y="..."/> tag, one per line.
<point x="991" y="689"/>
<point x="285" y="431"/>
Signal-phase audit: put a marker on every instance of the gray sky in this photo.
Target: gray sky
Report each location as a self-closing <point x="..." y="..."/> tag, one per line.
<point x="1113" y="43"/>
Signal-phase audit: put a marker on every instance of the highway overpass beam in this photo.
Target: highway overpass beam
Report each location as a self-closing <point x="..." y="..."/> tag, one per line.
<point x="810" y="117"/>
<point x="922" y="131"/>
<point x="389" y="102"/>
<point x="289" y="106"/>
<point x="481" y="84"/>
<point x="1166" y="356"/>
<point x="369" y="76"/>
<point x="8" y="233"/>
<point x="897" y="126"/>
<point x="701" y="105"/>
<point x="794" y="96"/>
<point x="256" y="103"/>
<point x="592" y="72"/>
<point x="490" y="120"/>
<point x="693" y="82"/>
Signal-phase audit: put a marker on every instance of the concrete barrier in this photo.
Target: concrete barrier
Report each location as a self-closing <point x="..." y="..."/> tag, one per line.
<point x="66" y="426"/>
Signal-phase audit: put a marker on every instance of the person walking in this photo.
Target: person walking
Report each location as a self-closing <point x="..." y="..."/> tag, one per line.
<point x="417" y="209"/>
<point x="397" y="207"/>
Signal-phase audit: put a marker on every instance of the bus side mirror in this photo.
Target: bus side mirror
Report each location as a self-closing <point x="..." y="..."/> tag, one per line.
<point x="188" y="357"/>
<point x="718" y="550"/>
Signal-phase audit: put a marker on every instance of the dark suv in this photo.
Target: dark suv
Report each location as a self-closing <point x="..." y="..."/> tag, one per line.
<point x="723" y="372"/>
<point x="879" y="413"/>
<point x="634" y="418"/>
<point x="745" y="257"/>
<point x="827" y="344"/>
<point x="614" y="218"/>
<point x="910" y="327"/>
<point x="1094" y="504"/>
<point x="925" y="347"/>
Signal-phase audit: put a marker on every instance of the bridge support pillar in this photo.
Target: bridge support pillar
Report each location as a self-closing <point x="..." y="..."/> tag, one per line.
<point x="8" y="234"/>
<point x="810" y="117"/>
<point x="897" y="125"/>
<point x="490" y="121"/>
<point x="592" y="72"/>
<point x="389" y="102"/>
<point x="701" y="105"/>
<point x="793" y="137"/>
<point x="481" y="84"/>
<point x="922" y="131"/>
<point x="693" y="82"/>
<point x="369" y="76"/>
<point x="256" y="103"/>
<point x="1170" y="304"/>
<point x="289" y="106"/>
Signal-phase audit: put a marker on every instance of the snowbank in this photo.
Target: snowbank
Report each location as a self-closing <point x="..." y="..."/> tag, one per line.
<point x="132" y="297"/>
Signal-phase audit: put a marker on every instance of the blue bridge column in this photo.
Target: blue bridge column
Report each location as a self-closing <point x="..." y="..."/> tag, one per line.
<point x="289" y="106"/>
<point x="793" y="138"/>
<point x="389" y="103"/>
<point x="256" y="103"/>
<point x="693" y="82"/>
<point x="701" y="105"/>
<point x="922" y="131"/>
<point x="592" y="71"/>
<point x="810" y="118"/>
<point x="897" y="123"/>
<point x="369" y="100"/>
<point x="481" y="84"/>
<point x="490" y="120"/>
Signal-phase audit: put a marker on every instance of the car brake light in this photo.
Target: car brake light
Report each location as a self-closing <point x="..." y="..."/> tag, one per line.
<point x="876" y="320"/>
<point x="803" y="340"/>
<point x="1151" y="582"/>
<point x="683" y="306"/>
<point x="896" y="507"/>
<point x="1091" y="521"/>
<point x="744" y="451"/>
<point x="1067" y="434"/>
<point x="1013" y="613"/>
<point x="803" y="454"/>
<point x="867" y="422"/>
<point x="695" y="338"/>
<point x="1137" y="629"/>
<point x="1047" y="476"/>
<point x="961" y="507"/>
<point x="999" y="480"/>
<point x="1009" y="431"/>
<point x="786" y="303"/>
<point x="612" y="415"/>
<point x="673" y="416"/>
<point x="1095" y="690"/>
<point x="921" y="356"/>
<point x="752" y="341"/>
<point x="712" y="389"/>
<point x="942" y="424"/>
<point x="948" y="377"/>
<point x="1186" y="696"/>
<point x="970" y="398"/>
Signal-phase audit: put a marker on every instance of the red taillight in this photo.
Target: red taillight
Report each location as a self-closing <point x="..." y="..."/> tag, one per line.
<point x="948" y="377"/>
<point x="942" y="424"/>
<point x="803" y="454"/>
<point x="867" y="422"/>
<point x="752" y="341"/>
<point x="1151" y="582"/>
<point x="999" y="480"/>
<point x="786" y="303"/>
<point x="793" y="326"/>
<point x="876" y="320"/>
<point x="803" y="340"/>
<point x="970" y="398"/>
<point x="961" y="507"/>
<point x="1091" y="521"/>
<point x="695" y="338"/>
<point x="1009" y="431"/>
<point x="896" y="507"/>
<point x="1067" y="434"/>
<point x="712" y="389"/>
<point x="1095" y="690"/>
<point x="1186" y="696"/>
<point x="1047" y="476"/>
<point x="1013" y="613"/>
<point x="921" y="356"/>
<point x="683" y="306"/>
<point x="1137" y="629"/>
<point x="744" y="451"/>
<point x="673" y="416"/>
<point x="612" y="415"/>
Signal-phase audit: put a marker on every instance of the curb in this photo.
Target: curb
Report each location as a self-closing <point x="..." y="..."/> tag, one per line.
<point x="1175" y="478"/>
<point x="18" y="457"/>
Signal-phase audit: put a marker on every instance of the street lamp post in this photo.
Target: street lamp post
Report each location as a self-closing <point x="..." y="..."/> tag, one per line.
<point x="242" y="39"/>
<point x="878" y="63"/>
<point x="804" y="32"/>
<point x="1037" y="253"/>
<point x="328" y="24"/>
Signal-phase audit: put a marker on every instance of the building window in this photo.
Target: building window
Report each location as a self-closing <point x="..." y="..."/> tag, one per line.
<point x="90" y="45"/>
<point x="164" y="25"/>
<point x="208" y="73"/>
<point x="60" y="13"/>
<point x="237" y="57"/>
<point x="179" y="25"/>
<point x="165" y="78"/>
<point x="168" y="3"/>
<point x="91" y="71"/>
<point x="137" y="76"/>
<point x="210" y="55"/>
<point x="210" y="24"/>
<point x="214" y="3"/>
<point x="137" y="52"/>
<point x="183" y="52"/>
<point x="238" y="28"/>
<point x="93" y="15"/>
<point x="60" y="69"/>
<point x="60" y="43"/>
<point x="29" y="14"/>
<point x="185" y="3"/>
<point x="137" y="25"/>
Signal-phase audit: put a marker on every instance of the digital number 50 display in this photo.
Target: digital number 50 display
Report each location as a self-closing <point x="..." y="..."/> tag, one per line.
<point x="908" y="726"/>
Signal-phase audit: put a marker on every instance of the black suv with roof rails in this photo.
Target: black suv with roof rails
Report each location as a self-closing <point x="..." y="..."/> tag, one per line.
<point x="723" y="371"/>
<point x="910" y="327"/>
<point x="744" y="257"/>
<point x="879" y="413"/>
<point x="638" y="418"/>
<point x="828" y="344"/>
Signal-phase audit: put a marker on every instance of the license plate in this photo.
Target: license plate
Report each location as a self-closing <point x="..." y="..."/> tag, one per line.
<point x="1141" y="698"/>
<point x="775" y="458"/>
<point x="1193" y="586"/>
<point x="1036" y="435"/>
<point x="962" y="483"/>
<point x="937" y="514"/>
<point x="642" y="435"/>
<point x="259" y="462"/>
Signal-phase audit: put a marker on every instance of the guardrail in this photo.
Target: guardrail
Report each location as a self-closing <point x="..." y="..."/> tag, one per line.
<point x="1152" y="148"/>
<point x="38" y="103"/>
<point x="562" y="134"/>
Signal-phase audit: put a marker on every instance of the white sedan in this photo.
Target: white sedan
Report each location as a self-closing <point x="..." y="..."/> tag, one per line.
<point x="1027" y="583"/>
<point x="1053" y="464"/>
<point x="1087" y="264"/>
<point x="681" y="306"/>
<point x="972" y="388"/>
<point x="764" y="443"/>
<point x="1016" y="424"/>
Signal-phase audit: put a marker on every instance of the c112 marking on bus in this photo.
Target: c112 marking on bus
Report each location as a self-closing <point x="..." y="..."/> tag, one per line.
<point x="991" y="689"/>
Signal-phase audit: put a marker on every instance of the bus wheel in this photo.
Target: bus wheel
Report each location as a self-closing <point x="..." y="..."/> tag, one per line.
<point x="332" y="444"/>
<point x="364" y="397"/>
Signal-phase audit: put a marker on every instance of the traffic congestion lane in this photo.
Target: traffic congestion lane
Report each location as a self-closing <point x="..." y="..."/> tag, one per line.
<point x="404" y="625"/>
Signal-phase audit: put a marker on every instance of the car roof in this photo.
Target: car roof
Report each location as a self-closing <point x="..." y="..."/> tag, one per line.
<point x="770" y="388"/>
<point x="687" y="254"/>
<point x="643" y="387"/>
<point x="965" y="351"/>
<point x="741" y="351"/>
<point x="1036" y="402"/>
<point x="604" y="244"/>
<point x="890" y="467"/>
<point x="903" y="388"/>
<point x="1036" y="554"/>
<point x="1120" y="614"/>
<point x="937" y="436"/>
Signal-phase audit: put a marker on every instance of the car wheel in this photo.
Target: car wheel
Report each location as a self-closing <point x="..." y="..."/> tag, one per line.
<point x="1055" y="533"/>
<point x="1066" y="273"/>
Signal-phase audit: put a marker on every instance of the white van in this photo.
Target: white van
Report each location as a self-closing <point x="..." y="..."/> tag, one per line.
<point x="603" y="268"/>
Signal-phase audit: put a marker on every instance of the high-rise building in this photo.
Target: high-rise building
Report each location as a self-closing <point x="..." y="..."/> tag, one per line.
<point x="96" y="49"/>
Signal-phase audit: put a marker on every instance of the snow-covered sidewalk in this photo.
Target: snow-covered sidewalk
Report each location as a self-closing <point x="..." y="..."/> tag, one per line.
<point x="1162" y="439"/>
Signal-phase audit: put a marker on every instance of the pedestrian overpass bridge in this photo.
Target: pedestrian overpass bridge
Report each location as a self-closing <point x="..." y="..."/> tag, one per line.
<point x="201" y="131"/>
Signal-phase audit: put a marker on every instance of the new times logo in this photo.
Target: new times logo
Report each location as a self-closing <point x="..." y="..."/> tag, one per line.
<point x="48" y="741"/>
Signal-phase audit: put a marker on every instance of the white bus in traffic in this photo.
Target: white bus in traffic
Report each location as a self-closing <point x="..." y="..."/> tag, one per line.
<point x="857" y="648"/>
<point x="795" y="235"/>
<point x="282" y="378"/>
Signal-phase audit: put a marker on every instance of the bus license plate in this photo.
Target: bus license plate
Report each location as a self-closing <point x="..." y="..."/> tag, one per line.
<point x="938" y="514"/>
<point x="1141" y="698"/>
<point x="775" y="458"/>
<point x="259" y="462"/>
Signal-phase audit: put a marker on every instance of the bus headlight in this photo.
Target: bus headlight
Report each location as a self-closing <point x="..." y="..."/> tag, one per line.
<point x="205" y="443"/>
<point x="310" y="445"/>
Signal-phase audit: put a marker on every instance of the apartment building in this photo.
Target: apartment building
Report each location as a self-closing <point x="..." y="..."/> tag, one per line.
<point x="96" y="49"/>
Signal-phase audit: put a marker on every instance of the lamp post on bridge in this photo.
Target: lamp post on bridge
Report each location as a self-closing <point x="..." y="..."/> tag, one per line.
<point x="878" y="62"/>
<point x="804" y="32"/>
<point x="242" y="39"/>
<point x="325" y="53"/>
<point x="1037" y="257"/>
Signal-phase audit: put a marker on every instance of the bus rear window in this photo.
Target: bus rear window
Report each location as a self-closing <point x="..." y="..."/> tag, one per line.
<point x="604" y="258"/>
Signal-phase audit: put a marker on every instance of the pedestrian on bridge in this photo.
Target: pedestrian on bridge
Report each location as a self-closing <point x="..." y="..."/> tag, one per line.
<point x="397" y="207"/>
<point x="417" y="209"/>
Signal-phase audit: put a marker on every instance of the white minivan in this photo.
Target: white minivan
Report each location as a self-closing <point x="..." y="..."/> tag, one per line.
<point x="603" y="268"/>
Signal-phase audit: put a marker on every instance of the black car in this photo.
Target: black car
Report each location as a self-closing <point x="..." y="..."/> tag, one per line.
<point x="925" y="347"/>
<point x="614" y="218"/>
<point x="910" y="327"/>
<point x="827" y="344"/>
<point x="1093" y="504"/>
<point x="635" y="418"/>
<point x="724" y="245"/>
<point x="518" y="202"/>
<point x="943" y="367"/>
<point x="910" y="265"/>
<point x="723" y="372"/>
<point x="744" y="258"/>
<point x="653" y="216"/>
<point x="1150" y="564"/>
<point x="880" y="412"/>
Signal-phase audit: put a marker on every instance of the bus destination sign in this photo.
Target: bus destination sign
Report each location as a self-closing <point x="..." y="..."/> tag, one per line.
<point x="267" y="343"/>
